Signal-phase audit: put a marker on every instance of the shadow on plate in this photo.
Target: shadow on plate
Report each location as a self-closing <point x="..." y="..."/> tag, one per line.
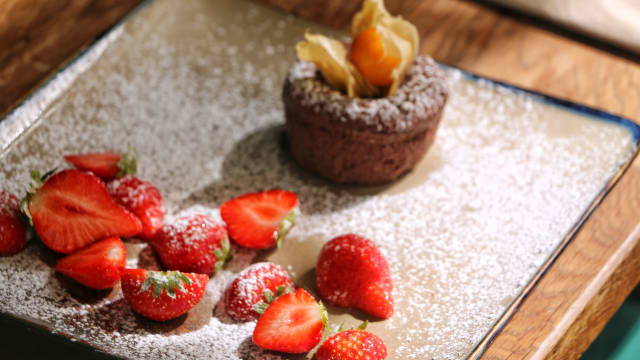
<point x="261" y="161"/>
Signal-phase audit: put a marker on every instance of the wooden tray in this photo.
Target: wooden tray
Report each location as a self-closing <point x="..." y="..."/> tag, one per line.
<point x="195" y="87"/>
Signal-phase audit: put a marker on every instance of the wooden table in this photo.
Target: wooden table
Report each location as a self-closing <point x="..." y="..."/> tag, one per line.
<point x="588" y="282"/>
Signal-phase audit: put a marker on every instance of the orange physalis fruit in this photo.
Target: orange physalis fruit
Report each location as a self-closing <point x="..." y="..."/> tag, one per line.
<point x="367" y="54"/>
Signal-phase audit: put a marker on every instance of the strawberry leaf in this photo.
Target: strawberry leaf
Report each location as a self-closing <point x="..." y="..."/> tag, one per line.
<point x="165" y="280"/>
<point x="280" y="290"/>
<point x="287" y="223"/>
<point x="363" y="325"/>
<point x="260" y="307"/>
<point x="223" y="254"/>
<point x="128" y="163"/>
<point x="269" y="296"/>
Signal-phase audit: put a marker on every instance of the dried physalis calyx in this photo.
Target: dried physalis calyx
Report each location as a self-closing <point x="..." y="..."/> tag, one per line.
<point x="383" y="48"/>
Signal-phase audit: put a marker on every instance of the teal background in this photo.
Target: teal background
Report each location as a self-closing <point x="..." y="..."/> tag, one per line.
<point x="620" y="339"/>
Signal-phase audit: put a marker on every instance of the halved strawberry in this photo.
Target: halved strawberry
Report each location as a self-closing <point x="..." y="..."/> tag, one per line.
<point x="96" y="266"/>
<point x="293" y="323"/>
<point x="73" y="209"/>
<point x="105" y="165"/>
<point x="260" y="220"/>
<point x="254" y="289"/>
<point x="162" y="295"/>
<point x="193" y="243"/>
<point x="141" y="198"/>
<point x="12" y="228"/>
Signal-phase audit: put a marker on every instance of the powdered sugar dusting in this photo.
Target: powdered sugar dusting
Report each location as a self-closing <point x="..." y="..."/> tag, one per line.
<point x="8" y="204"/>
<point x="195" y="87"/>
<point x="423" y="93"/>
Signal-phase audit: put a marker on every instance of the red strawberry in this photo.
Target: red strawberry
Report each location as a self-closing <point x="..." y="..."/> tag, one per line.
<point x="162" y="295"/>
<point x="353" y="344"/>
<point x="193" y="243"/>
<point x="12" y="229"/>
<point x="254" y="288"/>
<point x="260" y="220"/>
<point x="105" y="165"/>
<point x="293" y="323"/>
<point x="98" y="265"/>
<point x="73" y="209"/>
<point x="351" y="272"/>
<point x="142" y="199"/>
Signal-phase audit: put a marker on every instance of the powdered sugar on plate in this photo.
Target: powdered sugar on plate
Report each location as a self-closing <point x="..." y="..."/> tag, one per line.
<point x="195" y="87"/>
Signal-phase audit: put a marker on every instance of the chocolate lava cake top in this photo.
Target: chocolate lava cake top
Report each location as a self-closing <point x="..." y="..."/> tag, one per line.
<point x="421" y="96"/>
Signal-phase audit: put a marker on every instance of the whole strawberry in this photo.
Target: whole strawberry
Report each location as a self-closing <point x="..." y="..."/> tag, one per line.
<point x="193" y="243"/>
<point x="351" y="272"/>
<point x="353" y="344"/>
<point x="254" y="289"/>
<point x="98" y="265"/>
<point x="12" y="228"/>
<point x="260" y="220"/>
<point x="293" y="323"/>
<point x="143" y="199"/>
<point x="162" y="295"/>
<point x="71" y="209"/>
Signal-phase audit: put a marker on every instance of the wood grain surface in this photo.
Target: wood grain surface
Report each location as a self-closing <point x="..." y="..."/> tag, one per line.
<point x="596" y="272"/>
<point x="38" y="36"/>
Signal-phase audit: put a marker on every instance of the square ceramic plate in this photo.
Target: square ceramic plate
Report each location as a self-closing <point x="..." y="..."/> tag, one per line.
<point x="195" y="87"/>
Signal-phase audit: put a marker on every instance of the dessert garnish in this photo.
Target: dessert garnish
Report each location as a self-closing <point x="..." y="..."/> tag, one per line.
<point x="141" y="198"/>
<point x="12" y="227"/>
<point x="352" y="272"/>
<point x="293" y="323"/>
<point x="354" y="344"/>
<point x="71" y="209"/>
<point x="106" y="165"/>
<point x="193" y="243"/>
<point x="162" y="295"/>
<point x="254" y="289"/>
<point x="138" y="196"/>
<point x="260" y="220"/>
<point x="97" y="266"/>
<point x="383" y="47"/>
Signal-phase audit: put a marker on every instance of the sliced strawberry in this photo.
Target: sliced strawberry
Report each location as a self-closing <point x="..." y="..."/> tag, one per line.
<point x="73" y="209"/>
<point x="106" y="165"/>
<point x="293" y="323"/>
<point x="12" y="228"/>
<point x="98" y="265"/>
<point x="162" y="295"/>
<point x="352" y="272"/>
<point x="254" y="288"/>
<point x="142" y="199"/>
<point x="355" y="344"/>
<point x="260" y="220"/>
<point x="193" y="243"/>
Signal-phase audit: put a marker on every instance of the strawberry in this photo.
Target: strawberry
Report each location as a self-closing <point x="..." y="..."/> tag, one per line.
<point x="355" y="344"/>
<point x="73" y="209"/>
<point x="193" y="243"/>
<point x="142" y="199"/>
<point x="351" y="272"/>
<point x="98" y="265"/>
<point x="161" y="295"/>
<point x="260" y="220"/>
<point x="293" y="323"/>
<point x="254" y="288"/>
<point x="12" y="228"/>
<point x="105" y="165"/>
